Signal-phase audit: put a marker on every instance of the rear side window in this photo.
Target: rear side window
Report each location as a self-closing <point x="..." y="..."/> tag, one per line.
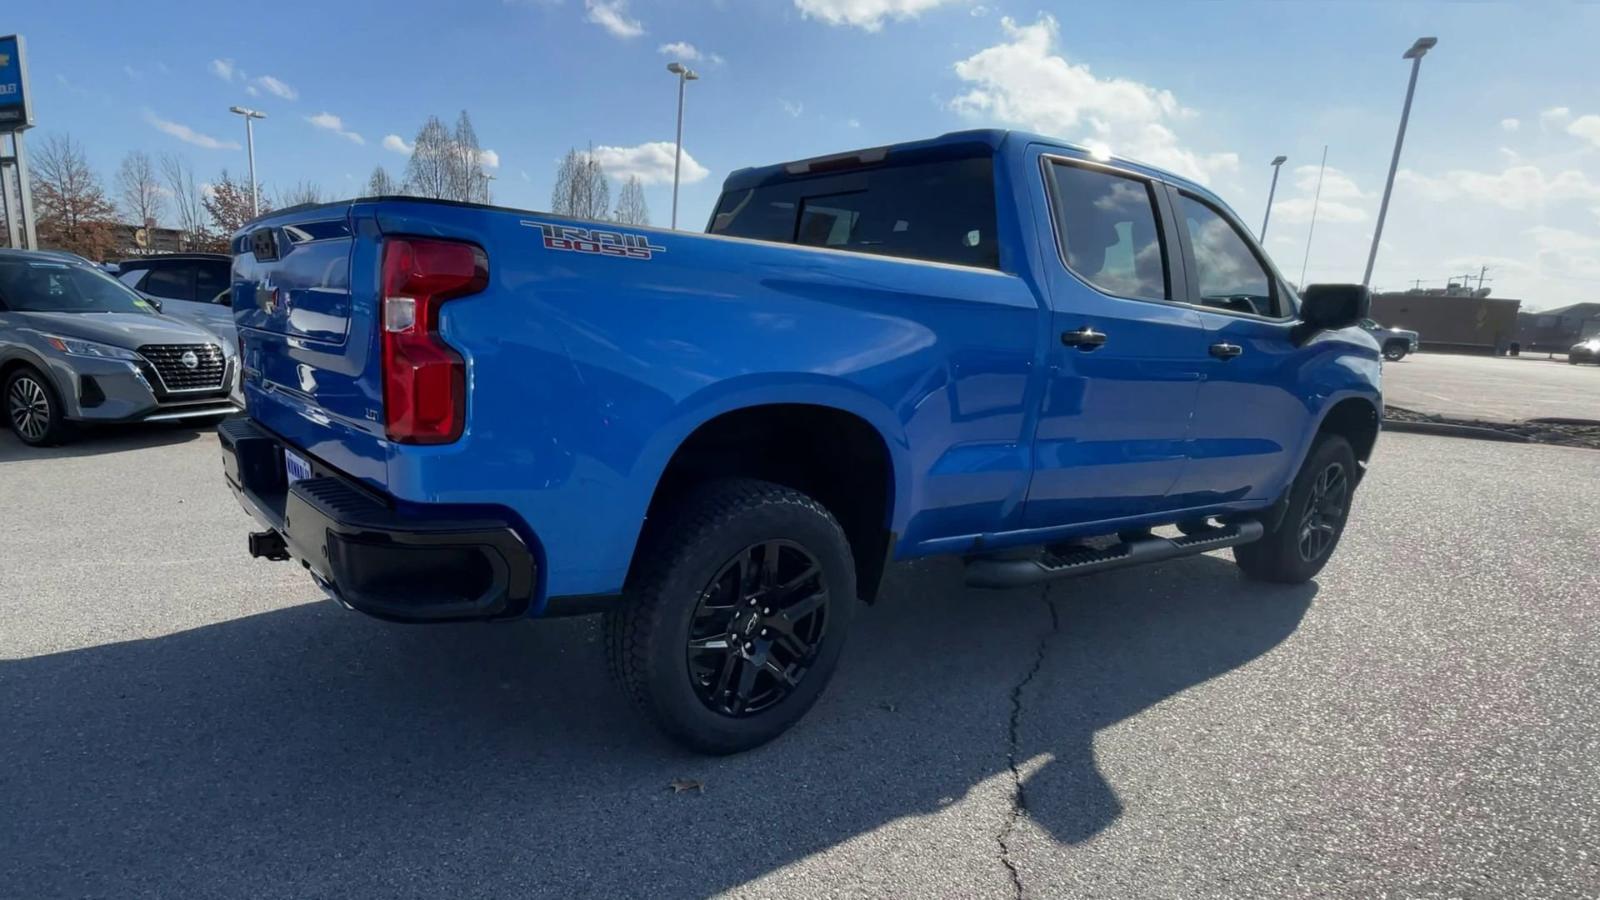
<point x="941" y="211"/>
<point x="1231" y="276"/>
<point x="170" y="282"/>
<point x="1106" y="224"/>
<point x="210" y="280"/>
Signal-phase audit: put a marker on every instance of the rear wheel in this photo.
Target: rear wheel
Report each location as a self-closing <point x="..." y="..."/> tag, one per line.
<point x="1394" y="351"/>
<point x="33" y="410"/>
<point x="1319" y="505"/>
<point x="735" y="618"/>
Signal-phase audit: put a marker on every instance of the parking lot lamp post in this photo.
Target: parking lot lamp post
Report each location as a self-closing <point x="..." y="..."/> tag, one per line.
<point x="250" y="142"/>
<point x="685" y="75"/>
<point x="1418" y="49"/>
<point x="1277" y="164"/>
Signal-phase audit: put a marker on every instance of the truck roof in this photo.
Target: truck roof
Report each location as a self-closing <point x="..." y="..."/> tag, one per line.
<point x="954" y="143"/>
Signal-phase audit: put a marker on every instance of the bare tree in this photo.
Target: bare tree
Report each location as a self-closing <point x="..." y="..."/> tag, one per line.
<point x="303" y="192"/>
<point x="381" y="184"/>
<point x="581" y="189"/>
<point x="466" y="163"/>
<point x="188" y="202"/>
<point x="73" y="211"/>
<point x="631" y="208"/>
<point x="229" y="204"/>
<point x="428" y="174"/>
<point x="142" y="198"/>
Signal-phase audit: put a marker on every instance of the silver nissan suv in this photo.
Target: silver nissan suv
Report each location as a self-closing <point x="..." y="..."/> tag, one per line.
<point x="76" y="345"/>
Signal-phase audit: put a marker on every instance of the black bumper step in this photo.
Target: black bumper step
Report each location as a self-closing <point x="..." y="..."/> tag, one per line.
<point x="1048" y="565"/>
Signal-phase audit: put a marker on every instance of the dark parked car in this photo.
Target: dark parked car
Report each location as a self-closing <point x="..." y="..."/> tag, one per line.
<point x="77" y="346"/>
<point x="1587" y="351"/>
<point x="192" y="286"/>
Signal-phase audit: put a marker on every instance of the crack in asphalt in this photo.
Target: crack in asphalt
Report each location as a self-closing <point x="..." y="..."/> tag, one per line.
<point x="1019" y="802"/>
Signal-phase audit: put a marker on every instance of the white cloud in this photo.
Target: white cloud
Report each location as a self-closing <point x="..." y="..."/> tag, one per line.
<point x="612" y="15"/>
<point x="396" y="143"/>
<point x="188" y="135"/>
<point x="865" y="14"/>
<point x="1510" y="124"/>
<point x="682" y="50"/>
<point x="488" y="159"/>
<point x="1586" y="127"/>
<point x="792" y="107"/>
<point x="251" y="90"/>
<point x="1024" y="82"/>
<point x="1555" y="115"/>
<point x="276" y="88"/>
<point x="330" y="122"/>
<point x="1566" y="254"/>
<point x="1515" y="187"/>
<point x="853" y="123"/>
<point x="222" y="68"/>
<point x="650" y="162"/>
<point x="1342" y="199"/>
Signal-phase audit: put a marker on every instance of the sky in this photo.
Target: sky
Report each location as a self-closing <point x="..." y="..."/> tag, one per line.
<point x="1501" y="165"/>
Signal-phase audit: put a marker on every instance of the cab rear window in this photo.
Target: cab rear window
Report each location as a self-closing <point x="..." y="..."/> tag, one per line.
<point x="941" y="211"/>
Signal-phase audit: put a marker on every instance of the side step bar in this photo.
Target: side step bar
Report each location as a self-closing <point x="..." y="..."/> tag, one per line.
<point x="1048" y="566"/>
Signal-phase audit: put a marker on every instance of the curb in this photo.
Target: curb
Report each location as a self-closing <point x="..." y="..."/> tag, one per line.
<point x="1445" y="429"/>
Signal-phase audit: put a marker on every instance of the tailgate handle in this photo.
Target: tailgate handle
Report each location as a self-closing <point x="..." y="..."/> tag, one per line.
<point x="264" y="244"/>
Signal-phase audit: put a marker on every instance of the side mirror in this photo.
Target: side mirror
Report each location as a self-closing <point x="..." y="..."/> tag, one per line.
<point x="153" y="301"/>
<point x="1327" y="307"/>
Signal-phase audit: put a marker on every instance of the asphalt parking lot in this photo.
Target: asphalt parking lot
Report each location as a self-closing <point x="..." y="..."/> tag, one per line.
<point x="1496" y="389"/>
<point x="1423" y="721"/>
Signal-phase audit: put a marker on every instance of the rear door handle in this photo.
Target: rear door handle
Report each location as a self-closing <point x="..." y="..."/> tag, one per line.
<point x="1226" y="350"/>
<point x="1084" y="339"/>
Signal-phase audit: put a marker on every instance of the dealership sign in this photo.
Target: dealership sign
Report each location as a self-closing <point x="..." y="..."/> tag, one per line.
<point x="15" y="113"/>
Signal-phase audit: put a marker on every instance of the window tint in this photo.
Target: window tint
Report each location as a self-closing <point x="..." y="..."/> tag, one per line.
<point x="132" y="277"/>
<point x="1231" y="277"/>
<point x="1107" y="227"/>
<point x="210" y="280"/>
<point x="941" y="211"/>
<point x="172" y="282"/>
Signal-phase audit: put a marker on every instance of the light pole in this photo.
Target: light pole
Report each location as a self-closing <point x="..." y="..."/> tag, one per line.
<point x="1277" y="164"/>
<point x="685" y="75"/>
<point x="250" y="141"/>
<point x="1415" y="54"/>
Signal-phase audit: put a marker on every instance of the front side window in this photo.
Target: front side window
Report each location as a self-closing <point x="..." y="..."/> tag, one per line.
<point x="940" y="211"/>
<point x="1107" y="226"/>
<point x="29" y="286"/>
<point x="1231" y="276"/>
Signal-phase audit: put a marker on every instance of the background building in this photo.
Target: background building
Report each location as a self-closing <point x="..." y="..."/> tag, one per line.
<point x="1556" y="330"/>
<point x="1453" y="319"/>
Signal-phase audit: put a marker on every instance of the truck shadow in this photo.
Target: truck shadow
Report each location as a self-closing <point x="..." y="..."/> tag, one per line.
<point x="313" y="752"/>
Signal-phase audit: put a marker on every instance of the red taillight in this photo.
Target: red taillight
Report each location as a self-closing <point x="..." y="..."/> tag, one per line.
<point x="424" y="379"/>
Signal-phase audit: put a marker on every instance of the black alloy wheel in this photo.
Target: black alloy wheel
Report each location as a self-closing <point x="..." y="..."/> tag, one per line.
<point x="1324" y="512"/>
<point x="757" y="627"/>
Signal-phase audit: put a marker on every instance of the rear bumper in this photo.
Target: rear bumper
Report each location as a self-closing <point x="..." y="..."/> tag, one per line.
<point x="373" y="558"/>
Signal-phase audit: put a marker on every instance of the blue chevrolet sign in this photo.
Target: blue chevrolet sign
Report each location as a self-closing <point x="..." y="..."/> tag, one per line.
<point x="15" y="113"/>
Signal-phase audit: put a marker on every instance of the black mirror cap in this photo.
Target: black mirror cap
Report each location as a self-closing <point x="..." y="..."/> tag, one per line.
<point x="153" y="301"/>
<point x="1327" y="307"/>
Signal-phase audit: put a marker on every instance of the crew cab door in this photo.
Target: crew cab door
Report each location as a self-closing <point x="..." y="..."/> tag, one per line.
<point x="1256" y="399"/>
<point x="1124" y="361"/>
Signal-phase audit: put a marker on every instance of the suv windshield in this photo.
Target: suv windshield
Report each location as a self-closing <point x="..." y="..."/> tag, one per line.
<point x="40" y="286"/>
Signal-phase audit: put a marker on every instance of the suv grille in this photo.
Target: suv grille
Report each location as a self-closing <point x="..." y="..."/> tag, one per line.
<point x="171" y="364"/>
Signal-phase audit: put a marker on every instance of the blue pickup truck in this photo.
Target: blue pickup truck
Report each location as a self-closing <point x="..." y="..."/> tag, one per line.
<point x="989" y="344"/>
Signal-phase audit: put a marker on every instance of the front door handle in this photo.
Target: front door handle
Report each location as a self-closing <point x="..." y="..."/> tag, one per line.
<point x="1084" y="339"/>
<point x="1225" y="350"/>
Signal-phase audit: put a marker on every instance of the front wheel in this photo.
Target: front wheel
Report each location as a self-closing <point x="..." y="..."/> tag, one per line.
<point x="735" y="618"/>
<point x="1394" y="352"/>
<point x="33" y="409"/>
<point x="1319" y="505"/>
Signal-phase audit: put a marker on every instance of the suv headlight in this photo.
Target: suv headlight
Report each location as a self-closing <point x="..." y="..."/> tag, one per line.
<point x="76" y="347"/>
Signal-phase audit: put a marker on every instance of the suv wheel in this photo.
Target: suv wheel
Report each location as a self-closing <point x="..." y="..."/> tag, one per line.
<point x="735" y="617"/>
<point x="1394" y="351"/>
<point x="1319" y="505"/>
<point x="32" y="408"/>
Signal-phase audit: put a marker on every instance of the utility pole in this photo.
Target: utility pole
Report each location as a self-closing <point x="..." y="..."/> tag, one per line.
<point x="1277" y="163"/>
<point x="685" y="75"/>
<point x="1315" y="203"/>
<point x="250" y="141"/>
<point x="1418" y="49"/>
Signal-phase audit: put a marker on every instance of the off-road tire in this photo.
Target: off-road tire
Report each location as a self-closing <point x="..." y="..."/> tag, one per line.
<point x="27" y="384"/>
<point x="1277" y="556"/>
<point x="646" y="638"/>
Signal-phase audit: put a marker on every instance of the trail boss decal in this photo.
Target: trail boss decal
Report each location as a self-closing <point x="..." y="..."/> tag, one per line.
<point x="595" y="240"/>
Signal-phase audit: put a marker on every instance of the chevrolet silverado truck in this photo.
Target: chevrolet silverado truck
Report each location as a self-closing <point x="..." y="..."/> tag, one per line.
<point x="989" y="344"/>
